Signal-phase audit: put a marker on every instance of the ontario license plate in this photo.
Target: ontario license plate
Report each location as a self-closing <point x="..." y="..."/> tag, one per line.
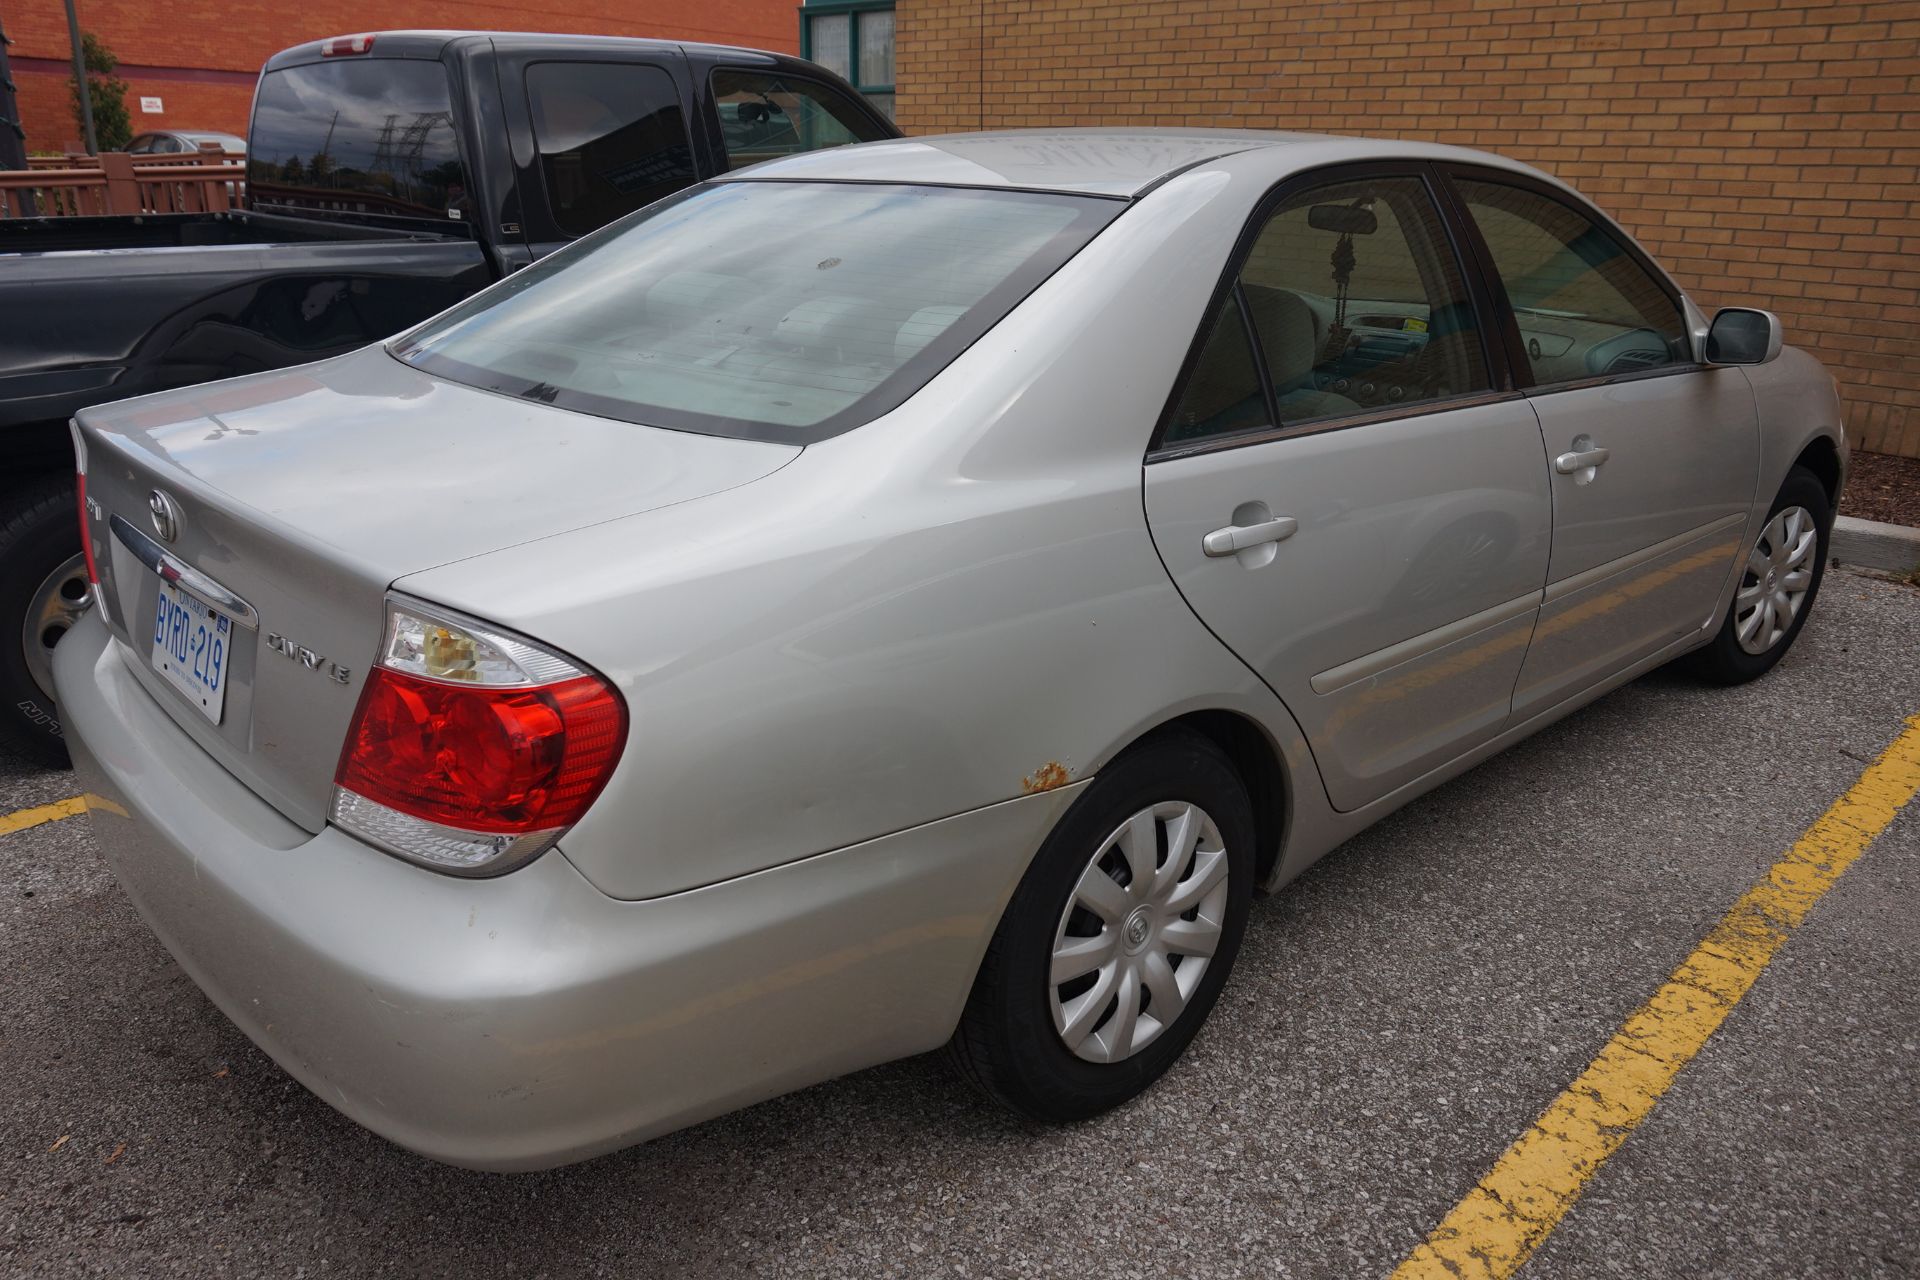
<point x="191" y="643"/>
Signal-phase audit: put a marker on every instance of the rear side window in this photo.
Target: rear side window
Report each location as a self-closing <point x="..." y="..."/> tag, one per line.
<point x="1585" y="307"/>
<point x="765" y="116"/>
<point x="1353" y="300"/>
<point x="766" y="310"/>
<point x="1222" y="395"/>
<point x="369" y="135"/>
<point x="612" y="139"/>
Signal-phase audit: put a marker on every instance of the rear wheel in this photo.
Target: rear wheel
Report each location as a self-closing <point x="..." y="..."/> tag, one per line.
<point x="1779" y="579"/>
<point x="1118" y="940"/>
<point x="43" y="591"/>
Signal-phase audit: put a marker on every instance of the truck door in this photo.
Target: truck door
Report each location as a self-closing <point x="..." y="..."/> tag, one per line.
<point x="595" y="136"/>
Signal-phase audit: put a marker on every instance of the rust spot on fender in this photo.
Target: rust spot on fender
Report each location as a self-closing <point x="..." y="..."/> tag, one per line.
<point x="1048" y="776"/>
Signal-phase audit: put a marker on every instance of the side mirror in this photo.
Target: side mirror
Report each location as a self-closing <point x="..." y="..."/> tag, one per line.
<point x="1743" y="335"/>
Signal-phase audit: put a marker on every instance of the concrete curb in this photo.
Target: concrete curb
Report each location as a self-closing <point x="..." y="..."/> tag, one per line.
<point x="1873" y="545"/>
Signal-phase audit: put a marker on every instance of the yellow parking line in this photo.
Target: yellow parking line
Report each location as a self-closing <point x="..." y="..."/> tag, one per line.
<point x="24" y="818"/>
<point x="1510" y="1213"/>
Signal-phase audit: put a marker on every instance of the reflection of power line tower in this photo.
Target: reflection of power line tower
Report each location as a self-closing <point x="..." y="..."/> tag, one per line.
<point x="400" y="146"/>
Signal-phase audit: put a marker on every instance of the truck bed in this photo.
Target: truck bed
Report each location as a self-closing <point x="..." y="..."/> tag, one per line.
<point x="187" y="230"/>
<point x="189" y="298"/>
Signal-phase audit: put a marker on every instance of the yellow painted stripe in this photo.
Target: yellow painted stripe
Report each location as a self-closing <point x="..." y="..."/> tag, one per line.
<point x="24" y="818"/>
<point x="1505" y="1218"/>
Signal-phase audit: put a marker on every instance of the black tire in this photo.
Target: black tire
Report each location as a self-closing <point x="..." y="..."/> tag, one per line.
<point x="1723" y="660"/>
<point x="1006" y="1044"/>
<point x="39" y="532"/>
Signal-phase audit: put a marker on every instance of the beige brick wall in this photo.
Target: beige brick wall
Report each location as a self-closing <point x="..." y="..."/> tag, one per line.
<point x="1766" y="151"/>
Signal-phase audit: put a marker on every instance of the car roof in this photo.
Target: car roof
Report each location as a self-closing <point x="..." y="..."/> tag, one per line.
<point x="1121" y="163"/>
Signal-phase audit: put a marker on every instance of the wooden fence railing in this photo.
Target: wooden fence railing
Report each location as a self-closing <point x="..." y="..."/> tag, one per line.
<point x="116" y="183"/>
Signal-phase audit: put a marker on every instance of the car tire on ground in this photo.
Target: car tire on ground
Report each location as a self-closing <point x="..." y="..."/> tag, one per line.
<point x="1162" y="843"/>
<point x="43" y="588"/>
<point x="1779" y="580"/>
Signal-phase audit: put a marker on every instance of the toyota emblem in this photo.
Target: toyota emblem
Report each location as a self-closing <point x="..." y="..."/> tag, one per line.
<point x="166" y="515"/>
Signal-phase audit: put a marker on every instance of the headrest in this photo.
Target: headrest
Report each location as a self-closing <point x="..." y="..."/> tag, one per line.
<point x="1286" y="327"/>
<point x="831" y="321"/>
<point x="686" y="296"/>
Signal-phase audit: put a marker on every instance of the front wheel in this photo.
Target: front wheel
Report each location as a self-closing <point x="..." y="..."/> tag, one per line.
<point x="1779" y="579"/>
<point x="43" y="591"/>
<point x="1118" y="940"/>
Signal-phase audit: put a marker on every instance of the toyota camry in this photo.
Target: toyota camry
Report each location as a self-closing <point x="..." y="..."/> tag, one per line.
<point x="907" y="595"/>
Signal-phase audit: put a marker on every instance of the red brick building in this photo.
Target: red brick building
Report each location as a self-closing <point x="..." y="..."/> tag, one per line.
<point x="200" y="57"/>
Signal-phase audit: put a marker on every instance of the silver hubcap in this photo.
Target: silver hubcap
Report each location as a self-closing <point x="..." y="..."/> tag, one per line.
<point x="1774" y="587"/>
<point x="1139" y="932"/>
<point x="56" y="605"/>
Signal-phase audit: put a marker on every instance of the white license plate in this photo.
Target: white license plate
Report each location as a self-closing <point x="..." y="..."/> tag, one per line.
<point x="191" y="645"/>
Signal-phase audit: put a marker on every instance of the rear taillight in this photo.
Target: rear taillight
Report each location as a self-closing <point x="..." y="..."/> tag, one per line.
<point x="346" y="46"/>
<point x="473" y="750"/>
<point x="80" y="500"/>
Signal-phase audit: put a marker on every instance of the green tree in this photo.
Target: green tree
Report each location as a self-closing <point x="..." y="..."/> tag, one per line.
<point x="112" y="125"/>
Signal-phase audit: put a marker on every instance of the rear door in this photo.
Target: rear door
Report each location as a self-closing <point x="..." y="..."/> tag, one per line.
<point x="1345" y="488"/>
<point x="1654" y="458"/>
<point x="595" y="138"/>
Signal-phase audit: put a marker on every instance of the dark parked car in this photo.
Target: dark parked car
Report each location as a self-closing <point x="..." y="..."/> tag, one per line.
<point x="389" y="176"/>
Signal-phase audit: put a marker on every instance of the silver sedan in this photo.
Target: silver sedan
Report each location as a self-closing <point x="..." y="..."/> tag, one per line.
<point x="900" y="596"/>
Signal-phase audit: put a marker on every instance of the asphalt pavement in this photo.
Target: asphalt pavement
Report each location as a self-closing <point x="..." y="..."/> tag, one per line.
<point x="1396" y="1019"/>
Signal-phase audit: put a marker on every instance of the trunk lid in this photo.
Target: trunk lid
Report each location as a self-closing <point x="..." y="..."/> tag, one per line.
<point x="305" y="493"/>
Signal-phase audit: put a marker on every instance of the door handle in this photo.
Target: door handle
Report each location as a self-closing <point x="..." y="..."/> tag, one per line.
<point x="1580" y="459"/>
<point x="1238" y="537"/>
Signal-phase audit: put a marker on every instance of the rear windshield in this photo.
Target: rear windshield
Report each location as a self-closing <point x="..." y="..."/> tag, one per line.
<point x="782" y="311"/>
<point x="364" y="136"/>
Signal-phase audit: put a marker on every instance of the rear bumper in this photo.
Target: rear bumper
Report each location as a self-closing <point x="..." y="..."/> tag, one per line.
<point x="530" y="1020"/>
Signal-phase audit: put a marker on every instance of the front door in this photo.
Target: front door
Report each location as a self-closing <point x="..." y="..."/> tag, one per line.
<point x="1654" y="458"/>
<point x="1344" y="497"/>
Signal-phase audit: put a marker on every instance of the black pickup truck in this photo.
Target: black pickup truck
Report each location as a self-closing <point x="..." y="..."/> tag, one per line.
<point x="389" y="176"/>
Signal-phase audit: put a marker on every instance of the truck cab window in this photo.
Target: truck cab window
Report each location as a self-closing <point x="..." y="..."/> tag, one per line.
<point x="612" y="139"/>
<point x="373" y="136"/>
<point x="764" y="116"/>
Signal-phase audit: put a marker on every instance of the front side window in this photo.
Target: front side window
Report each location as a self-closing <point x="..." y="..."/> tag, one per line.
<point x="764" y="116"/>
<point x="1584" y="306"/>
<point x="612" y="139"/>
<point x="764" y="310"/>
<point x="367" y="135"/>
<point x="1356" y="302"/>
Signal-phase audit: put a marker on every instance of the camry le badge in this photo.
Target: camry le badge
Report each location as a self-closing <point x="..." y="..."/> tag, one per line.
<point x="308" y="658"/>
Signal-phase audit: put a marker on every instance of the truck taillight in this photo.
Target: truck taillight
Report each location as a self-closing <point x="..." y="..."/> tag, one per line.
<point x="346" y="46"/>
<point x="472" y="750"/>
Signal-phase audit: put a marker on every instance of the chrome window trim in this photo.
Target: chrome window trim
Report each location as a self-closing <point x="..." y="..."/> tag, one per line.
<point x="172" y="569"/>
<point x="1315" y="426"/>
<point x="1609" y="379"/>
